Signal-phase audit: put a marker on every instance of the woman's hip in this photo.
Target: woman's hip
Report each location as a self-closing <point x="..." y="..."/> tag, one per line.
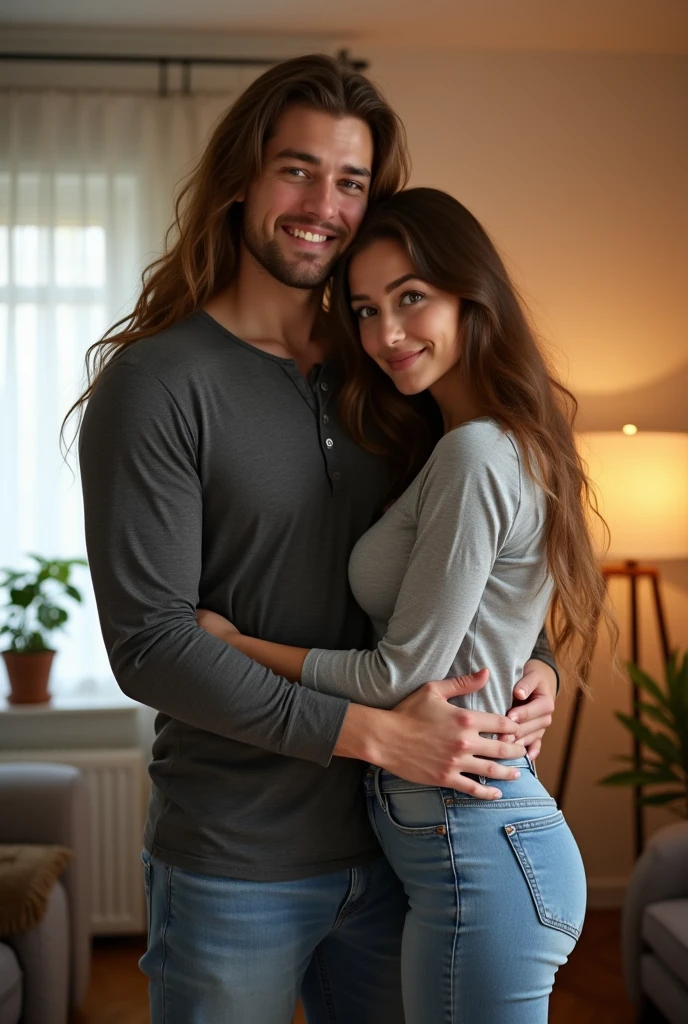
<point x="448" y="847"/>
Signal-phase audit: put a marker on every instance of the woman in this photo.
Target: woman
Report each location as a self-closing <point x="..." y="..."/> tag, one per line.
<point x="458" y="574"/>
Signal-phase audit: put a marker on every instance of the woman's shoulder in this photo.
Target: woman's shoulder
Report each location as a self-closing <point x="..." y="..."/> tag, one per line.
<point x="479" y="443"/>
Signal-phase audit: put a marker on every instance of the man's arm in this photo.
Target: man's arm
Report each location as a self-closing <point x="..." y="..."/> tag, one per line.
<point x="542" y="652"/>
<point x="143" y="510"/>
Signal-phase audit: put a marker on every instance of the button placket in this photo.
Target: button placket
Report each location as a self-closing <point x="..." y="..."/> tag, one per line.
<point x="324" y="395"/>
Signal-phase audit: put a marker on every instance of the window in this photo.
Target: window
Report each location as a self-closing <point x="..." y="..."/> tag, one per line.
<point x="57" y="271"/>
<point x="86" y="187"/>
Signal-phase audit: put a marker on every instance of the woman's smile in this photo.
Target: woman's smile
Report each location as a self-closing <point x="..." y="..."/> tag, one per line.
<point x="403" y="361"/>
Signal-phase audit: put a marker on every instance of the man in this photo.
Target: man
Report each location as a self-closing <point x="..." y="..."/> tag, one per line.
<point x="215" y="474"/>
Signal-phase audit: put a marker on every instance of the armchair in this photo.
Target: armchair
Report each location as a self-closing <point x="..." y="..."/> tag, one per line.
<point x="655" y="928"/>
<point x="44" y="972"/>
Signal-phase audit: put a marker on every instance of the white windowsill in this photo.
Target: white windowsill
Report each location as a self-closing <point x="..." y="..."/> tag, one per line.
<point x="79" y="717"/>
<point x="87" y="697"/>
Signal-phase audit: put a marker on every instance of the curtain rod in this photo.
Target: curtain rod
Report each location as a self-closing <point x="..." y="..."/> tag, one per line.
<point x="163" y="63"/>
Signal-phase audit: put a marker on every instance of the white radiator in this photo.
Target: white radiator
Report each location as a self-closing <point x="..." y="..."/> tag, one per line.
<point x="115" y="780"/>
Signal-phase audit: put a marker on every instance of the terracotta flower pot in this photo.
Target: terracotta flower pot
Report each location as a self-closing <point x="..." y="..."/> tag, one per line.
<point x="29" y="674"/>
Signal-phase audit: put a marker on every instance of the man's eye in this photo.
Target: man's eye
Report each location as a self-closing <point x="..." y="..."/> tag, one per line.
<point x="365" y="312"/>
<point x="410" y="298"/>
<point x="353" y="186"/>
<point x="296" y="171"/>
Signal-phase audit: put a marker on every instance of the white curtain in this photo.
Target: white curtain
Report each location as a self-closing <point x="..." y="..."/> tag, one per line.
<point x="86" y="195"/>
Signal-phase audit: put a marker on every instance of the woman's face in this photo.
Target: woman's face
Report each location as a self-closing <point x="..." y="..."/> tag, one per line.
<point x="408" y="327"/>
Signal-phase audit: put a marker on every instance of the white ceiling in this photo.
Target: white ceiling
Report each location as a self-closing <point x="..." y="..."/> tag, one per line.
<point x="612" y="25"/>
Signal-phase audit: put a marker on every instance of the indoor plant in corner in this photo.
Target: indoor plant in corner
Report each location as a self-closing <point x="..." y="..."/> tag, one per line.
<point x="664" y="760"/>
<point x="32" y="612"/>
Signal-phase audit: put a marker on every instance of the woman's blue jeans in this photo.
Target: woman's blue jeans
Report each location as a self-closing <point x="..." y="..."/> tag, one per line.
<point x="496" y="891"/>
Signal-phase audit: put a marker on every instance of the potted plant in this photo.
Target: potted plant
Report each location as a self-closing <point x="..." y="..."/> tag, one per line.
<point x="33" y="611"/>
<point x="664" y="754"/>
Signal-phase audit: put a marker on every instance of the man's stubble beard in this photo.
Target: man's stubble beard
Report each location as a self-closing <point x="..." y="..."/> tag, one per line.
<point x="295" y="275"/>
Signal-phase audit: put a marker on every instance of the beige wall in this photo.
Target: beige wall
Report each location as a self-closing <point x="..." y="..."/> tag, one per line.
<point x="578" y="164"/>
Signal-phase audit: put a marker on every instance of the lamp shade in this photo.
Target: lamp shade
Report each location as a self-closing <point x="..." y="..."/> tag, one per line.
<point x="642" y="483"/>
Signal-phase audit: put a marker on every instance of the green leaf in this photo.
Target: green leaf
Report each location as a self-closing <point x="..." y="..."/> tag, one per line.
<point x="644" y="682"/>
<point x="52" y="617"/>
<point x="656" y="799"/>
<point x="73" y="592"/>
<point x="658" y="714"/>
<point x="24" y="596"/>
<point x="657" y="741"/>
<point x="638" y="778"/>
<point x="35" y="642"/>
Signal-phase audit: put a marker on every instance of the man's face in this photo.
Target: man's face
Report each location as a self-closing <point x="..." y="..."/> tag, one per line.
<point x="310" y="197"/>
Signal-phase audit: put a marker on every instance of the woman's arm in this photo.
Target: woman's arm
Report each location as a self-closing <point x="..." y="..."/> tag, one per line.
<point x="290" y="659"/>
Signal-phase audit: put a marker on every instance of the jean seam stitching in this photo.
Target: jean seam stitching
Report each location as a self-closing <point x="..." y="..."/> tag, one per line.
<point x="457" y="915"/>
<point x="343" y="910"/>
<point x="325" y="985"/>
<point x="163" y="963"/>
<point x="373" y="823"/>
<point x="360" y="902"/>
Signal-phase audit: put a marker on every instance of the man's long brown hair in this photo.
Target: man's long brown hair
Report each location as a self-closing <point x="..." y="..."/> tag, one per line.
<point x="508" y="377"/>
<point x="202" y="245"/>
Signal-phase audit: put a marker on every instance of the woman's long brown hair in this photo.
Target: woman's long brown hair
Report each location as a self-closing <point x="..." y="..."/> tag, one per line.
<point x="202" y="244"/>
<point x="508" y="377"/>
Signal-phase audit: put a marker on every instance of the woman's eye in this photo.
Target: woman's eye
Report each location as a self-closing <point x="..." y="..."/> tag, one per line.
<point x="365" y="312"/>
<point x="410" y="298"/>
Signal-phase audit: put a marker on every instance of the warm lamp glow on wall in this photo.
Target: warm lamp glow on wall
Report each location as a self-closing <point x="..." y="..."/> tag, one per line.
<point x="642" y="481"/>
<point x="641" y="478"/>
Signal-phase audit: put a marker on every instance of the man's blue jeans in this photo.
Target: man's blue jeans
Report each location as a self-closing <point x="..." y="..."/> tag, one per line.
<point x="226" y="951"/>
<point x="496" y="897"/>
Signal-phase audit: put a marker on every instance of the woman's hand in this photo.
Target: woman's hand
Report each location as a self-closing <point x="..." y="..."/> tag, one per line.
<point x="535" y="694"/>
<point x="216" y="624"/>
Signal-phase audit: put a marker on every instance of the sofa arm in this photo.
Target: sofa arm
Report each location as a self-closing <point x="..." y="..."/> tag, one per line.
<point x="43" y="953"/>
<point x="49" y="803"/>
<point x="661" y="873"/>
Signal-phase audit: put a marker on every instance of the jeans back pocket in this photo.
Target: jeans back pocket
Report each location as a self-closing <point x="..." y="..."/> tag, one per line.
<point x="553" y="868"/>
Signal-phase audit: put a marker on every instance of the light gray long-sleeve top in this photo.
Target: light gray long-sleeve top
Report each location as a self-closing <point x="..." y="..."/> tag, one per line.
<point x="454" y="577"/>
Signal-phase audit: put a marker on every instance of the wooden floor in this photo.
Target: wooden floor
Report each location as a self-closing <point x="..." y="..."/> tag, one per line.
<point x="589" y="989"/>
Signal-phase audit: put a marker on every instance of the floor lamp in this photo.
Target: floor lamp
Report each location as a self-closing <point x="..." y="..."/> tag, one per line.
<point x="642" y="480"/>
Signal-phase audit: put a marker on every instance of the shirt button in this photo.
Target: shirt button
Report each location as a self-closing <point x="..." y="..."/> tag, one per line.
<point x="329" y="442"/>
<point x="336" y="475"/>
<point x="324" y="386"/>
<point x="326" y="418"/>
